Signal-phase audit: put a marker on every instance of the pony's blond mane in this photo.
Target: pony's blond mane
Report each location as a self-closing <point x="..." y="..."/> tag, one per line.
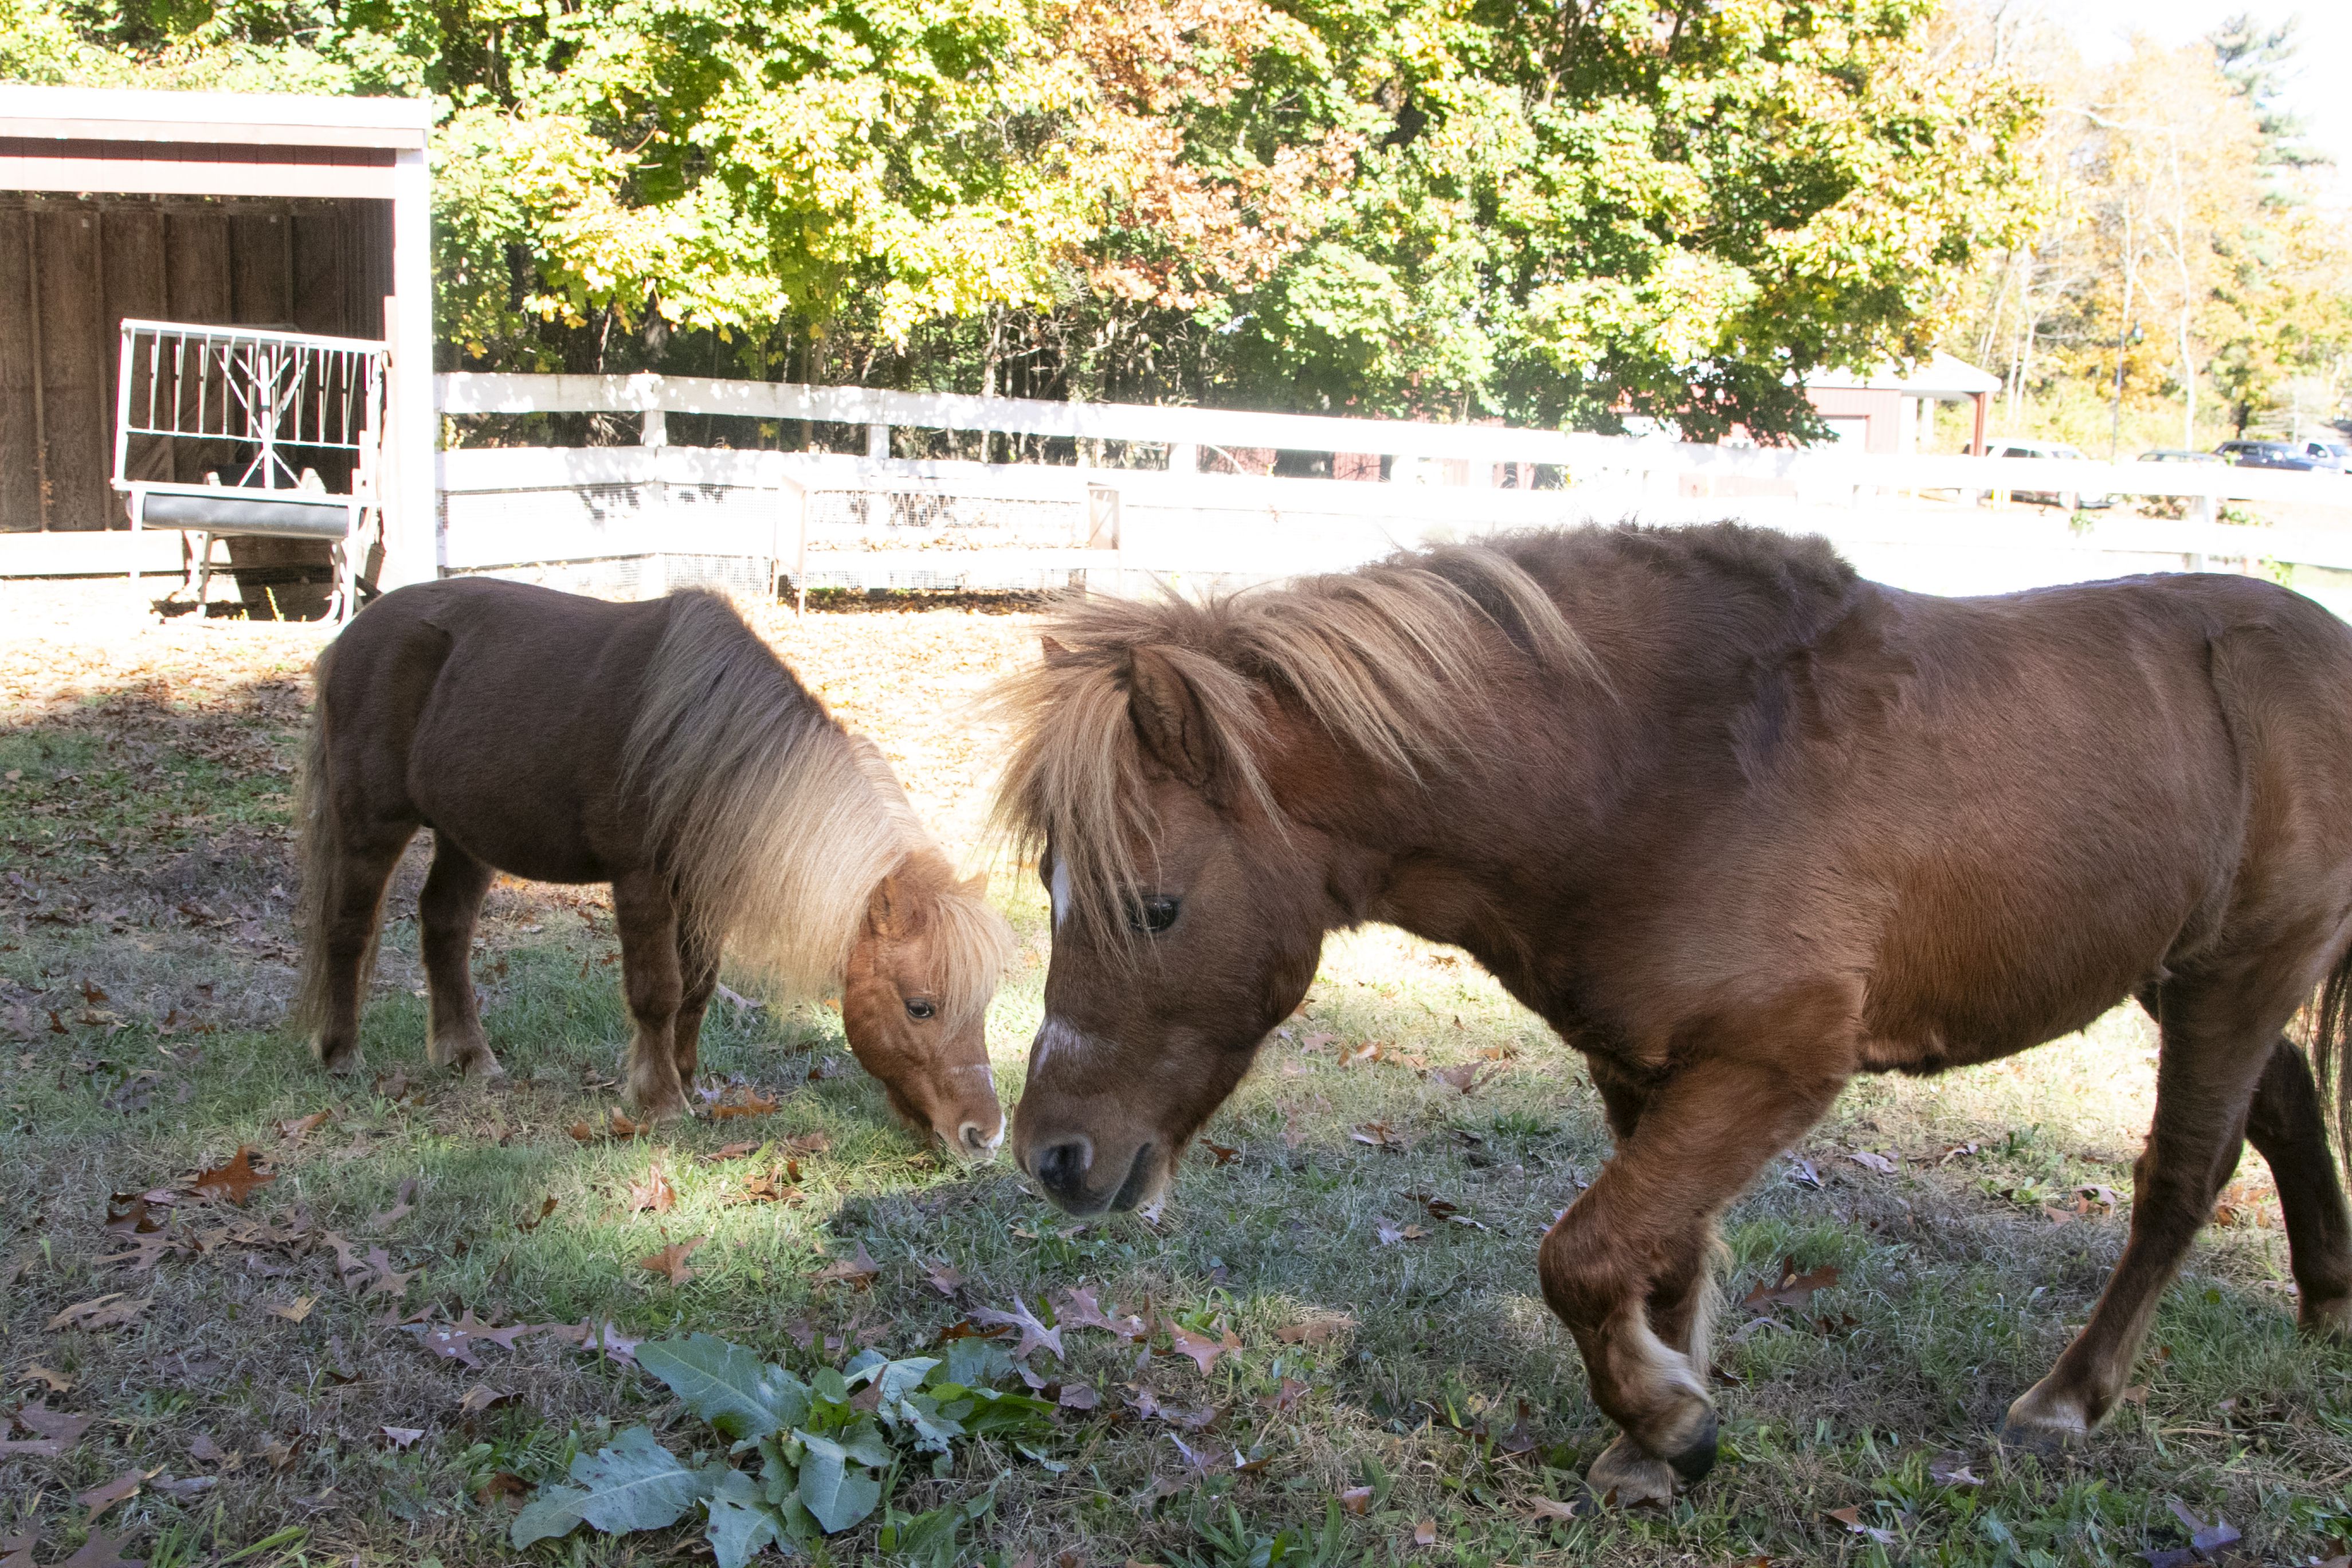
<point x="1393" y="660"/>
<point x="776" y="823"/>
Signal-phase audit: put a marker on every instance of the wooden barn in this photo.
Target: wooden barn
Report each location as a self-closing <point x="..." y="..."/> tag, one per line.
<point x="290" y="214"/>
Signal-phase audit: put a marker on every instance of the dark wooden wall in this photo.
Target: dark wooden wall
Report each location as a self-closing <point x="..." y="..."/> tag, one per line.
<point x="71" y="268"/>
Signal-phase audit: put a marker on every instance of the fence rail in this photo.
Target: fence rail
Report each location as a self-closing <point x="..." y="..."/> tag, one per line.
<point x="1940" y="524"/>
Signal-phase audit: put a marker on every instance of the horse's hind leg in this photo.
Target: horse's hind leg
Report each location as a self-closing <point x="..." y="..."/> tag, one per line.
<point x="2285" y="1124"/>
<point x="2213" y="1054"/>
<point x="446" y="915"/>
<point x="352" y="915"/>
<point x="651" y="981"/>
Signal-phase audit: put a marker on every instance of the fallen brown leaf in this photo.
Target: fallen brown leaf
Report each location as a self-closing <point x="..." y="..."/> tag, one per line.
<point x="654" y="1193"/>
<point x="1315" y="1330"/>
<point x="1793" y="1290"/>
<point x="1466" y="1078"/>
<point x="857" y="1272"/>
<point x="670" y="1261"/>
<point x="139" y="1214"/>
<point x="1357" y="1500"/>
<point x="402" y="1204"/>
<point x="752" y="1104"/>
<point x="109" y="1311"/>
<point x="58" y="1427"/>
<point x="1223" y="1155"/>
<point x="234" y="1180"/>
<point x="301" y="1127"/>
<point x="1425" y="1532"/>
<point x="98" y="1499"/>
<point x="385" y="1281"/>
<point x="297" y="1310"/>
<point x="503" y="1484"/>
<point x="1200" y="1349"/>
<point x="57" y="1382"/>
<point x="1034" y="1333"/>
<point x="946" y="1280"/>
<point x="402" y="1436"/>
<point x="1852" y="1519"/>
<point x="481" y="1397"/>
<point x="730" y="1151"/>
<point x="101" y="1551"/>
<point x="533" y="1223"/>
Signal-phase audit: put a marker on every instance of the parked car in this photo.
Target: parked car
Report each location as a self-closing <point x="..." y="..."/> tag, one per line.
<point x="2181" y="454"/>
<point x="2288" y="455"/>
<point x="2005" y="446"/>
<point x="2334" y="455"/>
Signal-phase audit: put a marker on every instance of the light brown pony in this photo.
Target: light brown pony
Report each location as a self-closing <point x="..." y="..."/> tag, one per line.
<point x="663" y="748"/>
<point x="1738" y="826"/>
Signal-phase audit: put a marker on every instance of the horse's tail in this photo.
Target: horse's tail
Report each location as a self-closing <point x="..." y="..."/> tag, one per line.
<point x="318" y="850"/>
<point x="2330" y="1040"/>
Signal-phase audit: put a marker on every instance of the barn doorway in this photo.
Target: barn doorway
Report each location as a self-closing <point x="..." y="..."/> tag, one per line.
<point x="252" y="211"/>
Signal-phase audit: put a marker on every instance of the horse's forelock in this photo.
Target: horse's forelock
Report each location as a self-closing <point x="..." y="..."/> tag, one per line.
<point x="1394" y="660"/>
<point x="971" y="947"/>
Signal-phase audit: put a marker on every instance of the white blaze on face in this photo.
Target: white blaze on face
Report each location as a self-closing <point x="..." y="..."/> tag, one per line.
<point x="1061" y="892"/>
<point x="1054" y="1038"/>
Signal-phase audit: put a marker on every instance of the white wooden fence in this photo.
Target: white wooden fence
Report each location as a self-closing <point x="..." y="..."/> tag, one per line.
<point x="638" y="519"/>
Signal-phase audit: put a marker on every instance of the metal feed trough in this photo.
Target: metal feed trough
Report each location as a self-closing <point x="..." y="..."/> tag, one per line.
<point x="286" y="428"/>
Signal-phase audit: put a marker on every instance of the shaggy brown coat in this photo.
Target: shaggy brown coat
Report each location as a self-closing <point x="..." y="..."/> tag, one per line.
<point x="663" y="748"/>
<point x="1738" y="825"/>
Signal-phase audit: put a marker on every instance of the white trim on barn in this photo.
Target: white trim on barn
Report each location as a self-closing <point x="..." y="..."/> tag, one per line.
<point x="132" y="142"/>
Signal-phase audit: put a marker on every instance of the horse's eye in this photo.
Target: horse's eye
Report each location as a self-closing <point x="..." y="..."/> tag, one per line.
<point x="1152" y="915"/>
<point x="919" y="1010"/>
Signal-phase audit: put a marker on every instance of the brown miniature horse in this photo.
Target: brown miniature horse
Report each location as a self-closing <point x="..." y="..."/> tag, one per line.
<point x="661" y="747"/>
<point x="1738" y="826"/>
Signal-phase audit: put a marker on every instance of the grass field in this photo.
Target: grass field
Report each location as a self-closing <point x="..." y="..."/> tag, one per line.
<point x="1365" y="1231"/>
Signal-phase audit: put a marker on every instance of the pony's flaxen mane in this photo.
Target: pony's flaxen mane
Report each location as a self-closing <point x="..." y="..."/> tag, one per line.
<point x="777" y="824"/>
<point x="1391" y="658"/>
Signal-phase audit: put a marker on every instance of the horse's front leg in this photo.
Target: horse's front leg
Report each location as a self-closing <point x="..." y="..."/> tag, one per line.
<point x="447" y="913"/>
<point x="1628" y="1267"/>
<point x="653" y="986"/>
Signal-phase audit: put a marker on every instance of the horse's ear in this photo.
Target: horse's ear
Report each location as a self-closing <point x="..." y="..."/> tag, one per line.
<point x="1054" y="652"/>
<point x="1167" y="714"/>
<point x="885" y="911"/>
<point x="975" y="886"/>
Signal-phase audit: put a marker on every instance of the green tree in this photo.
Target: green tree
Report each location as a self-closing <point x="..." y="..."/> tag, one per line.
<point x="1458" y="207"/>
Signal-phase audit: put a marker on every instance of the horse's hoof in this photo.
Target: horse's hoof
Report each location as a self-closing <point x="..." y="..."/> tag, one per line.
<point x="2044" y="1424"/>
<point x="1626" y="1477"/>
<point x="482" y="1066"/>
<point x="342" y="1063"/>
<point x="2328" y="1318"/>
<point x="1696" y="1457"/>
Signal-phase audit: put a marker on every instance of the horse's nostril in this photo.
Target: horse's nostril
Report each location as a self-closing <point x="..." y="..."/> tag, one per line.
<point x="1063" y="1167"/>
<point x="974" y="1139"/>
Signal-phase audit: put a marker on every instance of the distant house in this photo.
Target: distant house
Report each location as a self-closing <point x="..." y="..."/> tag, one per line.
<point x="1885" y="412"/>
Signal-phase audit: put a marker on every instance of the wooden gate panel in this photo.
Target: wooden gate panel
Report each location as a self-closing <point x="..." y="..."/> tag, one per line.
<point x="260" y="252"/>
<point x="20" y="488"/>
<point x="71" y="300"/>
<point x="134" y="288"/>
